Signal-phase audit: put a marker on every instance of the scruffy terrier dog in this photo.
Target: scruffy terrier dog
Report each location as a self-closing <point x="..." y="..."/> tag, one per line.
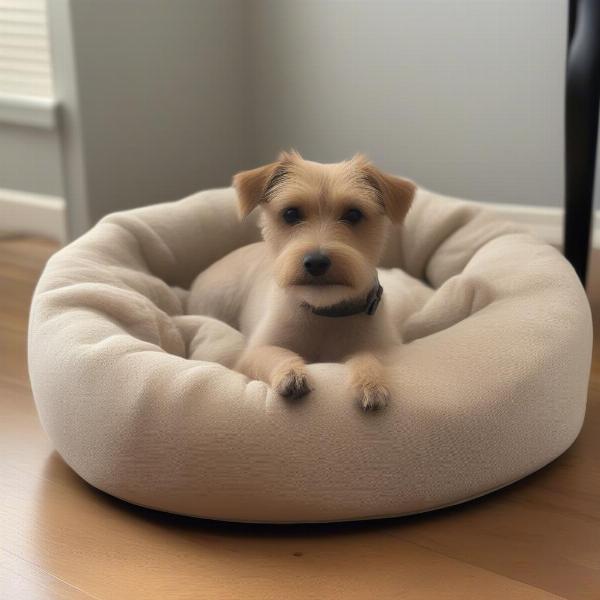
<point x="310" y="292"/>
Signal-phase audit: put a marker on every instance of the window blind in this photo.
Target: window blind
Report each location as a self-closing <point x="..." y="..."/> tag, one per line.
<point x="24" y="56"/>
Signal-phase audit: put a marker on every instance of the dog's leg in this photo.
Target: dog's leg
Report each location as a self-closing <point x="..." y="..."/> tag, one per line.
<point x="367" y="378"/>
<point x="282" y="369"/>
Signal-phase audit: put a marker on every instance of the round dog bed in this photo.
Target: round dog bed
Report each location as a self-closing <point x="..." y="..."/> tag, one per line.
<point x="489" y="386"/>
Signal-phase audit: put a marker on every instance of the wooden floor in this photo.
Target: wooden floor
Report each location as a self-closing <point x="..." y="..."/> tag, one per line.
<point x="59" y="538"/>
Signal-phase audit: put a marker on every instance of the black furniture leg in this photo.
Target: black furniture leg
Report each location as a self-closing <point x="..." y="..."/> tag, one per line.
<point x="581" y="121"/>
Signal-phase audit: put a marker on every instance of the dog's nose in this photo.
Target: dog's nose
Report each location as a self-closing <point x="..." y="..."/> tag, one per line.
<point x="316" y="263"/>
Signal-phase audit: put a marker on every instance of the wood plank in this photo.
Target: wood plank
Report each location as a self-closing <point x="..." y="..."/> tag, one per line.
<point x="544" y="530"/>
<point x="106" y="547"/>
<point x="21" y="580"/>
<point x="70" y="531"/>
<point x="13" y="350"/>
<point x="21" y="262"/>
<point x="60" y="538"/>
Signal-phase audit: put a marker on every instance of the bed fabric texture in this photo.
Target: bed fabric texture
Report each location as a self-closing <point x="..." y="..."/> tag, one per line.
<point x="489" y="386"/>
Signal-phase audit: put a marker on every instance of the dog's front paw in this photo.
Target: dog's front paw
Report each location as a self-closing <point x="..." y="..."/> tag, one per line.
<point x="292" y="383"/>
<point x="373" y="396"/>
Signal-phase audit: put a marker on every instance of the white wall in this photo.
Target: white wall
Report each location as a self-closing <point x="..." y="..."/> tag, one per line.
<point x="30" y="159"/>
<point x="161" y="98"/>
<point x="464" y="96"/>
<point x="151" y="93"/>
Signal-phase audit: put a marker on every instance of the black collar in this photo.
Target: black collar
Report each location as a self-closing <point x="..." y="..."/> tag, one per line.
<point x="347" y="308"/>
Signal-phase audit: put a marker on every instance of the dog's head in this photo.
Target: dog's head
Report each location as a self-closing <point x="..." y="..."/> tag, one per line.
<point x="325" y="224"/>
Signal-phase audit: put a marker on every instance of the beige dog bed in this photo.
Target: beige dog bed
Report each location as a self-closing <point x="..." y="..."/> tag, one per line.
<point x="490" y="385"/>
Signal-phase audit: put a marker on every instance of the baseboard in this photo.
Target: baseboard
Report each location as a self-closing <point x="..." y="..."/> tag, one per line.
<point x="37" y="214"/>
<point x="547" y="223"/>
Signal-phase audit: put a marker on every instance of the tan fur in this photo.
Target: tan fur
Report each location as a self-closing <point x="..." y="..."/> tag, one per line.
<point x="282" y="368"/>
<point x="251" y="187"/>
<point x="368" y="375"/>
<point x="273" y="287"/>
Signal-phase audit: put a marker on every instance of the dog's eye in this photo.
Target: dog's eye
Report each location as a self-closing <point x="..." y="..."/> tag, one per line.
<point x="352" y="216"/>
<point x="292" y="216"/>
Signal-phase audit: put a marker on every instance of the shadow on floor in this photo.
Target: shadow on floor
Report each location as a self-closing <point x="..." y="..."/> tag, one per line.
<point x="57" y="470"/>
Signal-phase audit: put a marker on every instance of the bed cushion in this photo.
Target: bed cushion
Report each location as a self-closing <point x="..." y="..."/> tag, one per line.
<point x="489" y="386"/>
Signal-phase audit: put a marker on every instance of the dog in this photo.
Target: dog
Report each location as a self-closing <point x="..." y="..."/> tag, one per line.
<point x="309" y="292"/>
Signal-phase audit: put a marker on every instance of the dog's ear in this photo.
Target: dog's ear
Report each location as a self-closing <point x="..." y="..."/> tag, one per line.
<point x="253" y="186"/>
<point x="396" y="193"/>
